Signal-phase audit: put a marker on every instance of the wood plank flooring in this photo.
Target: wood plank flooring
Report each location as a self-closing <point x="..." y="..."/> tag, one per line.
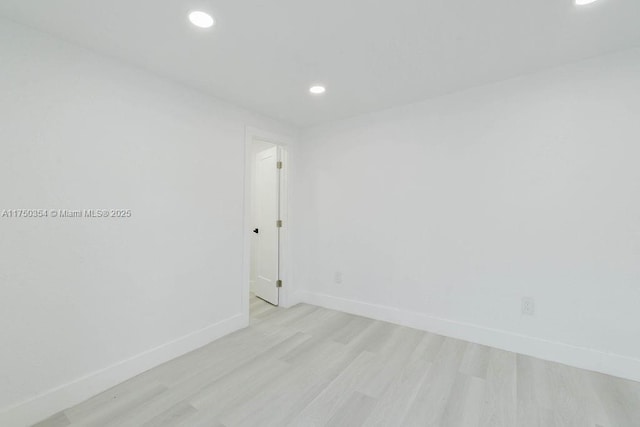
<point x="308" y="366"/>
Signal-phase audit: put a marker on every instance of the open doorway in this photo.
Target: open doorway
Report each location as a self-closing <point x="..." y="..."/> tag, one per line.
<point x="265" y="220"/>
<point x="265" y="215"/>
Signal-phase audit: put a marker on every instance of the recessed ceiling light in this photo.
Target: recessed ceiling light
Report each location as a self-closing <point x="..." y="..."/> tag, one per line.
<point x="584" y="2"/>
<point x="201" y="19"/>
<point x="317" y="90"/>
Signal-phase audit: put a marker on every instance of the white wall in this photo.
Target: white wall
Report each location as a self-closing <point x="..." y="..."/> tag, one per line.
<point x="443" y="214"/>
<point x="87" y="303"/>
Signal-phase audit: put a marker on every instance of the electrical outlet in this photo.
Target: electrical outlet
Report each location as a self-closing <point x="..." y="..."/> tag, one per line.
<point x="528" y="306"/>
<point x="337" y="277"/>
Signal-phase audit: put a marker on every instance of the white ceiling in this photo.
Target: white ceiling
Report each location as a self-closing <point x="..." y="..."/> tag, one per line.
<point x="371" y="54"/>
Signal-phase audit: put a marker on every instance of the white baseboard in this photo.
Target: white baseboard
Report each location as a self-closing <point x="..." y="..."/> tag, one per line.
<point x="290" y="300"/>
<point x="580" y="357"/>
<point x="50" y="402"/>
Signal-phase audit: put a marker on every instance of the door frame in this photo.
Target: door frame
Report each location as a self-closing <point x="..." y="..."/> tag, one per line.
<point x="286" y="144"/>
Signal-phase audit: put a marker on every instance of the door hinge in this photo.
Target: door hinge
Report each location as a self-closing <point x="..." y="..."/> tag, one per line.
<point x="279" y="223"/>
<point x="278" y="283"/>
<point x="279" y="165"/>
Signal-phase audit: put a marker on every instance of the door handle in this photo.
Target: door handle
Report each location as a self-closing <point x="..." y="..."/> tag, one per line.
<point x="255" y="230"/>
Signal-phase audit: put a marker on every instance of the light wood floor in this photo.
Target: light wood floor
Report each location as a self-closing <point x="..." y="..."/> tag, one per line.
<point x="308" y="366"/>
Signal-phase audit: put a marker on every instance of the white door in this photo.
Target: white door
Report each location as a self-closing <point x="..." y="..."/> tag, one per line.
<point x="268" y="233"/>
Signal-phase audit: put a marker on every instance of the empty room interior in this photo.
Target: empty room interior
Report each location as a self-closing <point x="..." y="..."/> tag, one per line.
<point x="219" y="213"/>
